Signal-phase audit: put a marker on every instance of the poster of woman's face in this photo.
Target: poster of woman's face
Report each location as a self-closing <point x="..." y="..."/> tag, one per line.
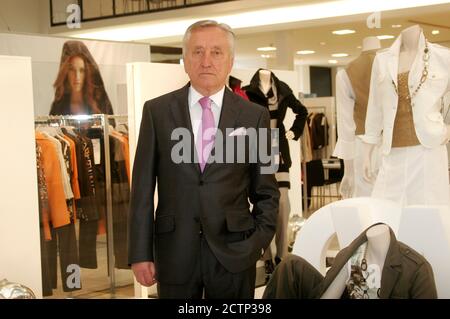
<point x="79" y="87"/>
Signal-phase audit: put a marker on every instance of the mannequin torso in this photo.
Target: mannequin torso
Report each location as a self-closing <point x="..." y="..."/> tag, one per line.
<point x="378" y="240"/>
<point x="265" y="81"/>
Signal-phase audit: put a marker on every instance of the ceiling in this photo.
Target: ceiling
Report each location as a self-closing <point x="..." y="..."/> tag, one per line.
<point x="308" y="34"/>
<point x="321" y="40"/>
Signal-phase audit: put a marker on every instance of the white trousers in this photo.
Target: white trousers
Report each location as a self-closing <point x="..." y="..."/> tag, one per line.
<point x="414" y="175"/>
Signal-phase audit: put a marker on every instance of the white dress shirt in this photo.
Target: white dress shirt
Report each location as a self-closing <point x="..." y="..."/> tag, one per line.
<point x="195" y="109"/>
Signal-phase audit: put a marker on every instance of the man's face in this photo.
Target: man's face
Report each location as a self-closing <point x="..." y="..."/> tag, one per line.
<point x="208" y="59"/>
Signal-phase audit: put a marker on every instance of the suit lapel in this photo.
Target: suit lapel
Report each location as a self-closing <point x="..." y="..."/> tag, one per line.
<point x="182" y="119"/>
<point x="228" y="116"/>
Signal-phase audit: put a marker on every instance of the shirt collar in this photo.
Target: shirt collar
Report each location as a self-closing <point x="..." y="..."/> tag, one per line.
<point x="195" y="96"/>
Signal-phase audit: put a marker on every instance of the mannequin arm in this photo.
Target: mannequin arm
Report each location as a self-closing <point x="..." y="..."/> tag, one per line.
<point x="447" y="137"/>
<point x="348" y="180"/>
<point x="290" y="135"/>
<point x="369" y="176"/>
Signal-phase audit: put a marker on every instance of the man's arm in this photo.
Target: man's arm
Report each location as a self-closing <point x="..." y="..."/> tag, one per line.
<point x="264" y="193"/>
<point x="140" y="251"/>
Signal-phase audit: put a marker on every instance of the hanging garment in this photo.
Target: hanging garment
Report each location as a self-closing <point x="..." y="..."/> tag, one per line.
<point x="235" y="86"/>
<point x="318" y="125"/>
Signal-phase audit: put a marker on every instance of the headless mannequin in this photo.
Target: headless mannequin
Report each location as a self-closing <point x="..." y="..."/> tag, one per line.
<point x="378" y="240"/>
<point x="265" y="83"/>
<point x="407" y="55"/>
<point x="347" y="186"/>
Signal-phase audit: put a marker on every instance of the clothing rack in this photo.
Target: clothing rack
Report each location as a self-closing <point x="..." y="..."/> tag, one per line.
<point x="103" y="121"/>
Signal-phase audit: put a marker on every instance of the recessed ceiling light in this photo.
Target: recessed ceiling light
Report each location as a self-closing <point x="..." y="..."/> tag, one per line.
<point x="266" y="56"/>
<point x="385" y="37"/>
<point x="267" y="49"/>
<point x="359" y="47"/>
<point x="435" y="32"/>
<point x="332" y="61"/>
<point x="304" y="52"/>
<point x="323" y="43"/>
<point x="342" y="32"/>
<point x="339" y="55"/>
<point x="395" y="26"/>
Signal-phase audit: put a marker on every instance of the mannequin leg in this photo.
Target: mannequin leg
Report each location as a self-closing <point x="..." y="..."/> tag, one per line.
<point x="281" y="237"/>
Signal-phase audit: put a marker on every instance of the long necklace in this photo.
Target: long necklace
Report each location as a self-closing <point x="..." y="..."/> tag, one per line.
<point x="365" y="275"/>
<point x="423" y="78"/>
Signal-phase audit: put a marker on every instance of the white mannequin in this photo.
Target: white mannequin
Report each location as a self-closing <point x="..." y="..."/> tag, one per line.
<point x="378" y="240"/>
<point x="265" y="83"/>
<point x="347" y="186"/>
<point x="408" y="51"/>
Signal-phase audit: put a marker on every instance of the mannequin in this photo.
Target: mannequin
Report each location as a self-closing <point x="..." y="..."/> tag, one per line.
<point x="268" y="91"/>
<point x="352" y="91"/>
<point x="373" y="266"/>
<point x="378" y="239"/>
<point x="408" y="81"/>
<point x="265" y="84"/>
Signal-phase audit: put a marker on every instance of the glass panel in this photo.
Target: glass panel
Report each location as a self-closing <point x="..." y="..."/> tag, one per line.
<point x="74" y="216"/>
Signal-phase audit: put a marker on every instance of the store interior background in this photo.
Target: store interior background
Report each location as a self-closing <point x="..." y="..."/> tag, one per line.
<point x="315" y="71"/>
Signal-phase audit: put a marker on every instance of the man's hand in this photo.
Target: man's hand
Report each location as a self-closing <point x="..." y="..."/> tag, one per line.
<point x="145" y="273"/>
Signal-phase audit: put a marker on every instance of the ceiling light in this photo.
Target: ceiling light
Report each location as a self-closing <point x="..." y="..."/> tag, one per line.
<point x="323" y="43"/>
<point x="385" y="37"/>
<point x="332" y="61"/>
<point x="267" y="49"/>
<point x="342" y="32"/>
<point x="339" y="55"/>
<point x="266" y="56"/>
<point x="304" y="52"/>
<point x="395" y="26"/>
<point x="174" y="30"/>
<point x="435" y="32"/>
<point x="359" y="47"/>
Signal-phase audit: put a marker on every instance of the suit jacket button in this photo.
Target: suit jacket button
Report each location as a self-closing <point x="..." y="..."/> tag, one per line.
<point x="201" y="183"/>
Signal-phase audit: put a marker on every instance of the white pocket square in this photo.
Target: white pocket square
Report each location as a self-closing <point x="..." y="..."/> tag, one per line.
<point x="239" y="131"/>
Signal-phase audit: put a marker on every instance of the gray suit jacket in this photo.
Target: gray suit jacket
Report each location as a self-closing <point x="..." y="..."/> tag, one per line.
<point x="191" y="204"/>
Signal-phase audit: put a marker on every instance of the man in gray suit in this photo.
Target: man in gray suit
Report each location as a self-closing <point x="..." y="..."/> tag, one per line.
<point x="203" y="240"/>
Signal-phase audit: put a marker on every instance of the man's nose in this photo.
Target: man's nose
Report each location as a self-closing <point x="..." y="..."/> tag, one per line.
<point x="206" y="60"/>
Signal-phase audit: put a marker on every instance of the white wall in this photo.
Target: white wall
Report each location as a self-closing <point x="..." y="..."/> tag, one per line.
<point x="20" y="257"/>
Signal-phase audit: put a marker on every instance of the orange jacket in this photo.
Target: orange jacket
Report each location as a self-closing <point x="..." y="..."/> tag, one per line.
<point x="59" y="214"/>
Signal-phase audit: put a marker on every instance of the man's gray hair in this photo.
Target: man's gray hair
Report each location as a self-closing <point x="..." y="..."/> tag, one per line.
<point x="208" y="24"/>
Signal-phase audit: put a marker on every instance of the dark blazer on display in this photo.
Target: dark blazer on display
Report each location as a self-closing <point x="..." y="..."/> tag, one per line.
<point x="191" y="204"/>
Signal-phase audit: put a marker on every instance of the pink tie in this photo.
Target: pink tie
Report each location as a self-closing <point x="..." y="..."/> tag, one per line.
<point x="206" y="132"/>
